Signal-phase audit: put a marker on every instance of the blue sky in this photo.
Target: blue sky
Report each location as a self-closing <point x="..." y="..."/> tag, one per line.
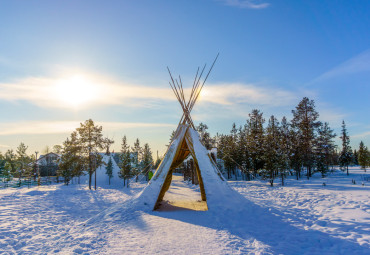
<point x="272" y="54"/>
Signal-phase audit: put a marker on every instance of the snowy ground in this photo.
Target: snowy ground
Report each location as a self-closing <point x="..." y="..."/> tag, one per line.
<point x="302" y="217"/>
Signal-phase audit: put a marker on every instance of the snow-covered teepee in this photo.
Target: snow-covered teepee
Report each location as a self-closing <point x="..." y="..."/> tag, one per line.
<point x="186" y="140"/>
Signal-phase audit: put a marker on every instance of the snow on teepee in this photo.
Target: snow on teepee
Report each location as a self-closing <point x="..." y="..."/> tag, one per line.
<point x="186" y="141"/>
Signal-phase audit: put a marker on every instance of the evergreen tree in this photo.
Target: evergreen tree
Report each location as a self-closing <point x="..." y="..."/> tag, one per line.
<point x="256" y="139"/>
<point x="72" y="163"/>
<point x="10" y="157"/>
<point x="355" y="158"/>
<point x="157" y="162"/>
<point x="126" y="168"/>
<point x="205" y="137"/>
<point x="286" y="147"/>
<point x="137" y="157"/>
<point x="7" y="171"/>
<point x="324" y="148"/>
<point x="225" y="150"/>
<point x="346" y="154"/>
<point x="242" y="152"/>
<point x="23" y="160"/>
<point x="57" y="149"/>
<point x="107" y="143"/>
<point x="272" y="153"/>
<point x="363" y="156"/>
<point x="91" y="140"/>
<point x="109" y="169"/>
<point x="171" y="138"/>
<point x="305" y="122"/>
<point x="147" y="160"/>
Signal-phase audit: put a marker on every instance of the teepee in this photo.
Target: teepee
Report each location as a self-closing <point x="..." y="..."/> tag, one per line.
<point x="185" y="142"/>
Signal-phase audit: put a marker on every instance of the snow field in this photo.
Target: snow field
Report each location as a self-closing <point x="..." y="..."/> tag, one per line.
<point x="302" y="217"/>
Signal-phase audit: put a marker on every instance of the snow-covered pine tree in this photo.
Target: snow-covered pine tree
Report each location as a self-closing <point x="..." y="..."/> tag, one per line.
<point x="305" y="122"/>
<point x="346" y="154"/>
<point x="324" y="148"/>
<point x="109" y="169"/>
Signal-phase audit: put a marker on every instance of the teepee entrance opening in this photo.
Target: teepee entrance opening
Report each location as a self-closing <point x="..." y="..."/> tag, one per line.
<point x="180" y="153"/>
<point x="182" y="195"/>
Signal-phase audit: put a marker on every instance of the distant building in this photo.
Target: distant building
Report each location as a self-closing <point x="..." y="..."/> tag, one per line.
<point x="48" y="164"/>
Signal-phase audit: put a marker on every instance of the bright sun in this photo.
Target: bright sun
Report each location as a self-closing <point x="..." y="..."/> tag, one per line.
<point x="76" y="91"/>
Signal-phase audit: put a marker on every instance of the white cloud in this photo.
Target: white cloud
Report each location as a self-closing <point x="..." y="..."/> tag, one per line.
<point x="237" y="93"/>
<point x="90" y="90"/>
<point x="333" y="116"/>
<point x="61" y="127"/>
<point x="361" y="135"/>
<point x="247" y="4"/>
<point x="4" y="146"/>
<point x="357" y="64"/>
<point x="78" y="91"/>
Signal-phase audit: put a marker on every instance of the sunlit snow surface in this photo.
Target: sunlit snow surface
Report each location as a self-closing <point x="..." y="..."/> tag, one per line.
<point x="304" y="217"/>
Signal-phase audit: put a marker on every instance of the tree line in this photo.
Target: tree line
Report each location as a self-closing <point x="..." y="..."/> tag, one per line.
<point x="302" y="145"/>
<point x="81" y="153"/>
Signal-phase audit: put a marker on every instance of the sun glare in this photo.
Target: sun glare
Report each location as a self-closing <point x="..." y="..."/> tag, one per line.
<point x="76" y="91"/>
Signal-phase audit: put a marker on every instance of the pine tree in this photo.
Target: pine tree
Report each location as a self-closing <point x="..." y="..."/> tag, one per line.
<point x="355" y="158"/>
<point x="324" y="148"/>
<point x="256" y="140"/>
<point x="305" y="122"/>
<point x="271" y="150"/>
<point x="57" y="149"/>
<point x="242" y="152"/>
<point x="225" y="150"/>
<point x="109" y="169"/>
<point x="171" y="137"/>
<point x="157" y="162"/>
<point x="346" y="154"/>
<point x="71" y="163"/>
<point x="137" y="157"/>
<point x="107" y="143"/>
<point x="285" y="146"/>
<point x="10" y="158"/>
<point x="205" y="137"/>
<point x="23" y="159"/>
<point x="363" y="156"/>
<point x="147" y="161"/>
<point x="91" y="140"/>
<point x="126" y="168"/>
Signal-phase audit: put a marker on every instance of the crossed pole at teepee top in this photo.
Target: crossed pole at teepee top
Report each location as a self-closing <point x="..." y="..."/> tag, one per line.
<point x="178" y="90"/>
